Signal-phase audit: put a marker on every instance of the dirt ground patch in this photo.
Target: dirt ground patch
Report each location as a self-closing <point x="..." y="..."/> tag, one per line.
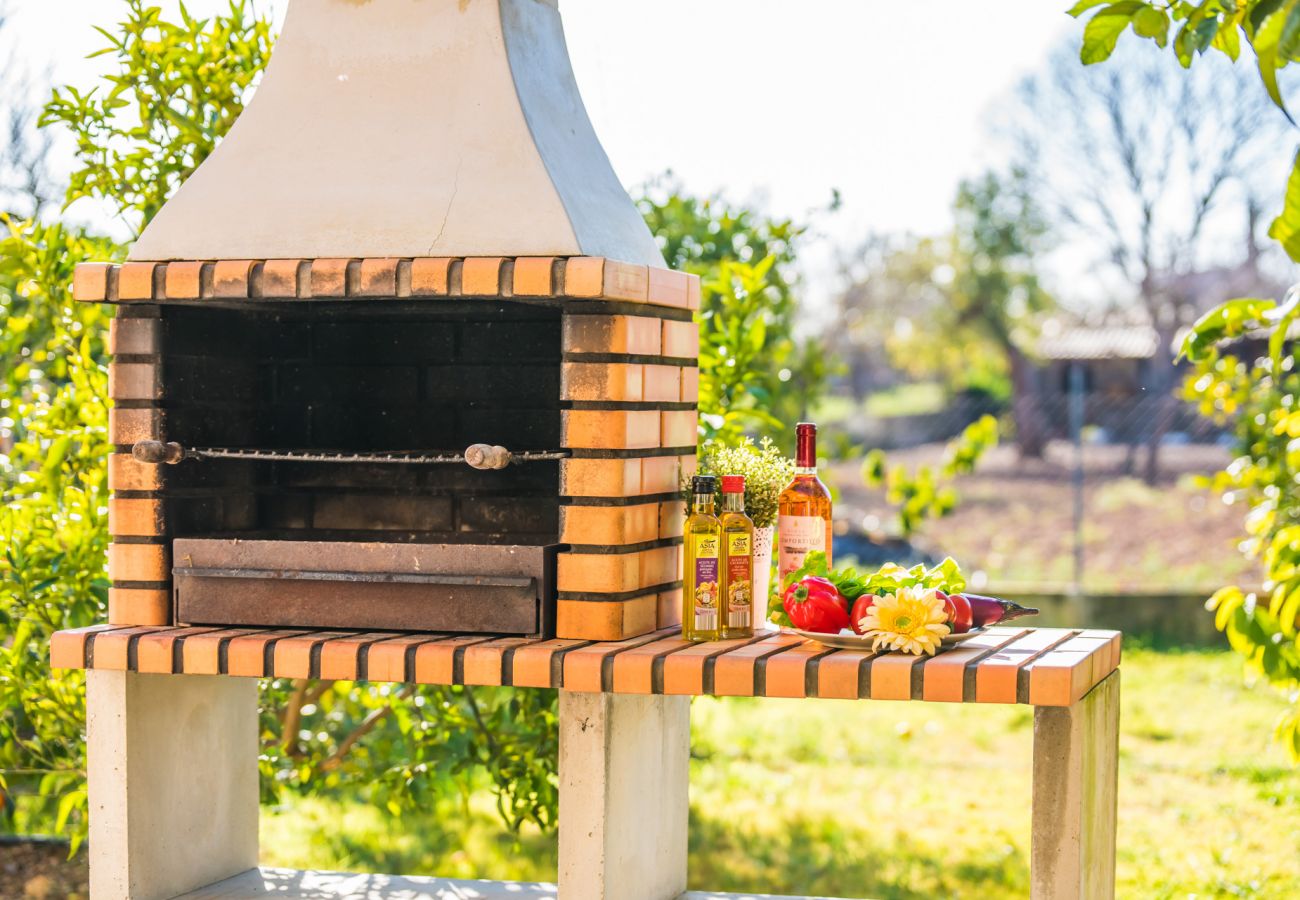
<point x="42" y="872"/>
<point x="1015" y="519"/>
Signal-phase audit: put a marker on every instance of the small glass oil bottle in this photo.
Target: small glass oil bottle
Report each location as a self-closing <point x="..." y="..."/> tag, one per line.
<point x="702" y="582"/>
<point x="738" y="559"/>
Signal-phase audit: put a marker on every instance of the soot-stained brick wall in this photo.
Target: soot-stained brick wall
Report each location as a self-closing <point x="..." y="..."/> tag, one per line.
<point x="363" y="377"/>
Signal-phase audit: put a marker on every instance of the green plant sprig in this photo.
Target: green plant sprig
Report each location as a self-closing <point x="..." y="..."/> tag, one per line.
<point x="766" y="471"/>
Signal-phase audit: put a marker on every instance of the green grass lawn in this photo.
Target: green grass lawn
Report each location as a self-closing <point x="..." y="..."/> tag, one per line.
<point x="906" y="800"/>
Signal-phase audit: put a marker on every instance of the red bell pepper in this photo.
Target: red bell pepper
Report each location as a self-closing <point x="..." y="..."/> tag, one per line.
<point x="815" y="604"/>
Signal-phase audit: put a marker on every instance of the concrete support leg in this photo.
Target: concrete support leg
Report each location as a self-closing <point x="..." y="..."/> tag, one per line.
<point x="623" y="796"/>
<point x="1076" y="756"/>
<point x="172" y="765"/>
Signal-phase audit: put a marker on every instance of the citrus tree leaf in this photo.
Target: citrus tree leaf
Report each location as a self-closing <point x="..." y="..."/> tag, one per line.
<point x="1103" y="30"/>
<point x="1153" y="23"/>
<point x="1285" y="229"/>
<point x="1267" y="54"/>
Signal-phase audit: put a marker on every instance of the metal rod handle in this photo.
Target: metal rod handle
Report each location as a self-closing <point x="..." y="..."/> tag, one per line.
<point x="487" y="456"/>
<point x="158" y="453"/>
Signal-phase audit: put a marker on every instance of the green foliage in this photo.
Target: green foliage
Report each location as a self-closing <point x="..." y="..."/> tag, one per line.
<point x="756" y="375"/>
<point x="38" y="314"/>
<point x="738" y="390"/>
<point x="1285" y="229"/>
<point x="53" y="497"/>
<point x="923" y="493"/>
<point x="406" y="748"/>
<point x="1270" y="26"/>
<point x="765" y="468"/>
<point x="998" y="232"/>
<point x="1257" y="395"/>
<point x="177" y="89"/>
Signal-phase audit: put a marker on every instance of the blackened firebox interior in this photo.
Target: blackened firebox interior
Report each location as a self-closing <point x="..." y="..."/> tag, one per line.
<point x="366" y="377"/>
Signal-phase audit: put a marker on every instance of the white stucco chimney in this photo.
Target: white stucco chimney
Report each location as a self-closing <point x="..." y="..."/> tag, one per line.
<point x="408" y="128"/>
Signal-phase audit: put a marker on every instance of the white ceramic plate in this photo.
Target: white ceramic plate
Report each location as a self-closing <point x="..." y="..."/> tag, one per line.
<point x="847" y="640"/>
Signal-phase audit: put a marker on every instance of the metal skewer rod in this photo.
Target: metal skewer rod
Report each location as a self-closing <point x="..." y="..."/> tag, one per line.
<point x="478" y="456"/>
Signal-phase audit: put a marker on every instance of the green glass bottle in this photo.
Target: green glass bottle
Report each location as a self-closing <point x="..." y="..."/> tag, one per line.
<point x="702" y="578"/>
<point x="738" y="559"/>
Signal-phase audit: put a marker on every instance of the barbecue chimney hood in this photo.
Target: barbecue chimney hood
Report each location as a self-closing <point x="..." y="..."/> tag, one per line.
<point x="408" y="128"/>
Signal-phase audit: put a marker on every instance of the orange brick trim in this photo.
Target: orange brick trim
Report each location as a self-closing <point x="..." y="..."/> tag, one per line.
<point x="135" y="517"/>
<point x="632" y="335"/>
<point x="139" y="562"/>
<point x="127" y="426"/>
<point x="134" y="336"/>
<point x="609" y="524"/>
<point x="139" y="606"/>
<point x="579" y="278"/>
<point x="623" y="382"/>
<point x="670" y="608"/>
<point x="612" y="621"/>
<point x="681" y="339"/>
<point x="134" y="381"/>
<point x="1049" y="667"/>
<point x="125" y="473"/>
<point x="481" y="276"/>
<point x="135" y="281"/>
<point x="377" y="278"/>
<point x="613" y="429"/>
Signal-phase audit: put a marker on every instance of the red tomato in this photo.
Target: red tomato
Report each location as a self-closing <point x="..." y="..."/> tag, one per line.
<point x="814" y="604"/>
<point x="959" y="612"/>
<point x="859" y="612"/>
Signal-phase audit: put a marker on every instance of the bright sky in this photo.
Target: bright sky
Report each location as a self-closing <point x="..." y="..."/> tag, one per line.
<point x="773" y="102"/>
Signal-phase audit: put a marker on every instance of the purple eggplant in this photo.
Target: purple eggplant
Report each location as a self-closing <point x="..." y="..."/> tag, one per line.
<point x="992" y="610"/>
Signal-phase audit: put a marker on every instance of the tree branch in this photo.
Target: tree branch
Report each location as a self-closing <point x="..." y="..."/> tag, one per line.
<point x="372" y="719"/>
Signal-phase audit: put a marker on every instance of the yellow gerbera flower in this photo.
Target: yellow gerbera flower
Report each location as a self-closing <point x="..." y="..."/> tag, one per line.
<point x="913" y="620"/>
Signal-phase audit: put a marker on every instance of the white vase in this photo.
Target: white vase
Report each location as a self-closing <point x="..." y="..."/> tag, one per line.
<point x="763" y="539"/>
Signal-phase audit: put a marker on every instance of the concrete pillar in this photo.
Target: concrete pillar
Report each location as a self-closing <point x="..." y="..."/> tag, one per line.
<point x="624" y="772"/>
<point x="1076" y="766"/>
<point x="172" y="766"/>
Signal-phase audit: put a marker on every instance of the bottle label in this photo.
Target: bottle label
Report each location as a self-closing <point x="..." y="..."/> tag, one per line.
<point x="740" y="576"/>
<point x="797" y="537"/>
<point x="706" y="581"/>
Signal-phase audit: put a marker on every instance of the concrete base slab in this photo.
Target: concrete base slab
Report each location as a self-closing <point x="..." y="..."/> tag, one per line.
<point x="290" y="884"/>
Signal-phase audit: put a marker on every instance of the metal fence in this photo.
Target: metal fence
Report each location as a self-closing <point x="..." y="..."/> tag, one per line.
<point x="1110" y="505"/>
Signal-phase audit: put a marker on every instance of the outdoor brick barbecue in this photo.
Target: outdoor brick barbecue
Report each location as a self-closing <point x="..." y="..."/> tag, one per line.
<point x="452" y="390"/>
<point x="403" y="394"/>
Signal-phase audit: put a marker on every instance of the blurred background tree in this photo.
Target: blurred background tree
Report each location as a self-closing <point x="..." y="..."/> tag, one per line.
<point x="961" y="309"/>
<point x="1158" y="177"/>
<point x="26" y="185"/>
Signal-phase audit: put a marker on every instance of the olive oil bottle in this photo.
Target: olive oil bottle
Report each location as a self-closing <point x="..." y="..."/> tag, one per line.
<point x="702" y="579"/>
<point x="738" y="559"/>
